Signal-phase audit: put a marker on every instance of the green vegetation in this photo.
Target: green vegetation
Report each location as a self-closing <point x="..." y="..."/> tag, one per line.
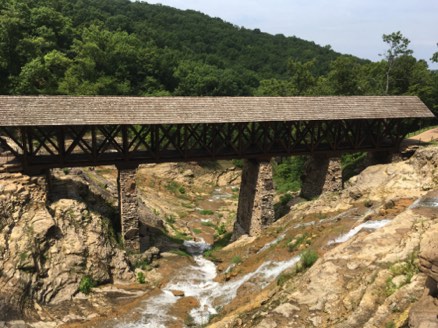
<point x="287" y="173"/>
<point x="122" y="47"/>
<point x="197" y="231"/>
<point x="294" y="244"/>
<point x="206" y="212"/>
<point x="175" y="188"/>
<point x="351" y="163"/>
<point x="208" y="224"/>
<point x="170" y="219"/>
<point x="236" y="259"/>
<point x="285" y="276"/>
<point x="218" y="245"/>
<point x="308" y="258"/>
<point x="86" y="285"/>
<point x="141" y="278"/>
<point x="220" y="230"/>
<point x="180" y="252"/>
<point x="407" y="269"/>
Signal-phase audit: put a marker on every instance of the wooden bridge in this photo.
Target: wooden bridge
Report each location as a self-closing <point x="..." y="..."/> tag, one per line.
<point x="47" y="132"/>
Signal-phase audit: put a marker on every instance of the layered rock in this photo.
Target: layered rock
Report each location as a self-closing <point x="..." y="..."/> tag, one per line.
<point x="47" y="245"/>
<point x="379" y="278"/>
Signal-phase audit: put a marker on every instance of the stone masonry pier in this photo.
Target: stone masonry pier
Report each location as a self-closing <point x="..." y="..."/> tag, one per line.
<point x="255" y="208"/>
<point x="128" y="208"/>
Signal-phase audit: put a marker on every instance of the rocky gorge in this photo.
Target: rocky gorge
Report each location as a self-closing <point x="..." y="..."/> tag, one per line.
<point x="384" y="274"/>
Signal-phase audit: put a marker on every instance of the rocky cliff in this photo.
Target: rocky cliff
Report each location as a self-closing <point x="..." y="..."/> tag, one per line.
<point x="378" y="278"/>
<point x="49" y="243"/>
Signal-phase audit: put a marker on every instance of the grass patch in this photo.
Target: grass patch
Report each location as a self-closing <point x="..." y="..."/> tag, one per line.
<point x="236" y="259"/>
<point x="170" y="219"/>
<point x="197" y="231"/>
<point x="86" y="285"/>
<point x="308" y="258"/>
<point x="175" y="188"/>
<point x="220" y="230"/>
<point x="206" y="212"/>
<point x="284" y="277"/>
<point x="295" y="243"/>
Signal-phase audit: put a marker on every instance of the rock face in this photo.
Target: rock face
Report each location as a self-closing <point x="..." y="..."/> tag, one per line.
<point x="47" y="245"/>
<point x="382" y="278"/>
<point x="255" y="209"/>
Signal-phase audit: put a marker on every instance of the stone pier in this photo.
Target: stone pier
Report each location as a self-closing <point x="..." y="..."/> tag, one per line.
<point x="128" y="208"/>
<point x="255" y="208"/>
<point x="321" y="174"/>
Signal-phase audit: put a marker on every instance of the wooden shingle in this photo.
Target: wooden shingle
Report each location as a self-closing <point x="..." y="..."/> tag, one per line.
<point x="70" y="110"/>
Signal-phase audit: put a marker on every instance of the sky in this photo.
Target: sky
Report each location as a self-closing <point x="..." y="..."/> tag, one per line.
<point x="348" y="26"/>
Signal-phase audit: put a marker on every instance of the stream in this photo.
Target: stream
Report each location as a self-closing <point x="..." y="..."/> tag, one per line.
<point x="198" y="281"/>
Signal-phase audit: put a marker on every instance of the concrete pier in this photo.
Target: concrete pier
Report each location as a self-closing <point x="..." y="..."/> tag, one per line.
<point x="255" y="207"/>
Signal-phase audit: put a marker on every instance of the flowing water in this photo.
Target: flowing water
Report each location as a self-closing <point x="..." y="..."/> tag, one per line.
<point x="198" y="281"/>
<point x="369" y="225"/>
<point x="428" y="202"/>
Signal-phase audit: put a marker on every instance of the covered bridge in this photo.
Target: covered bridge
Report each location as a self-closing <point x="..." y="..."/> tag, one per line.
<point x="45" y="132"/>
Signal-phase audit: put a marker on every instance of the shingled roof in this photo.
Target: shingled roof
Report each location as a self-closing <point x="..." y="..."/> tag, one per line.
<point x="70" y="110"/>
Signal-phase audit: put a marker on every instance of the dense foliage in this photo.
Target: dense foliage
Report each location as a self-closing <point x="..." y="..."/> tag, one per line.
<point x="120" y="47"/>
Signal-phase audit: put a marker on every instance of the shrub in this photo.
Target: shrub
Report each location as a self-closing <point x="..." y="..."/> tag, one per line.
<point x="287" y="173"/>
<point x="140" y="277"/>
<point x="308" y="258"/>
<point x="87" y="283"/>
<point x="236" y="259"/>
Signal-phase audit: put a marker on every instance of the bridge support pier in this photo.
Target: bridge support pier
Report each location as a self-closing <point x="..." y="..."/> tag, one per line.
<point x="255" y="208"/>
<point x="128" y="207"/>
<point x="321" y="174"/>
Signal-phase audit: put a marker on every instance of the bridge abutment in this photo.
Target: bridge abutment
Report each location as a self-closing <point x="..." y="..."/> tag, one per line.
<point x="128" y="207"/>
<point x="321" y="174"/>
<point x="255" y="208"/>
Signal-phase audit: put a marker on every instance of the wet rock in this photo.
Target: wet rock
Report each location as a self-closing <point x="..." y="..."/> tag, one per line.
<point x="178" y="293"/>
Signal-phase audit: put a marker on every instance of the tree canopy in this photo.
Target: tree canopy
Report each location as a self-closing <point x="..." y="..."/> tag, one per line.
<point x="120" y="47"/>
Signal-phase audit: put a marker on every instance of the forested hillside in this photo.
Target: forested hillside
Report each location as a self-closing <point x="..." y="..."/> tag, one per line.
<point x="119" y="47"/>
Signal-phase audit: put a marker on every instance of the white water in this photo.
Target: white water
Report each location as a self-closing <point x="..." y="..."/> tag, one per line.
<point x="198" y="281"/>
<point x="425" y="202"/>
<point x="369" y="225"/>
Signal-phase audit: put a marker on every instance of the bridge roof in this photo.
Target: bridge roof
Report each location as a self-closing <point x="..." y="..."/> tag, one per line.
<point x="71" y="110"/>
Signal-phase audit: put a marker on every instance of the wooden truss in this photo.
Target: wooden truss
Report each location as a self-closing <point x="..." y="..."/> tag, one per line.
<point x="43" y="147"/>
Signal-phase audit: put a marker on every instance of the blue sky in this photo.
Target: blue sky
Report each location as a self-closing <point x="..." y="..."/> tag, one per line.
<point x="349" y="26"/>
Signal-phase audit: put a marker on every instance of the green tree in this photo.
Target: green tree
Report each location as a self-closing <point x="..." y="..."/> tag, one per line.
<point x="301" y="76"/>
<point x="344" y="76"/>
<point x="398" y="46"/>
<point x="435" y="56"/>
